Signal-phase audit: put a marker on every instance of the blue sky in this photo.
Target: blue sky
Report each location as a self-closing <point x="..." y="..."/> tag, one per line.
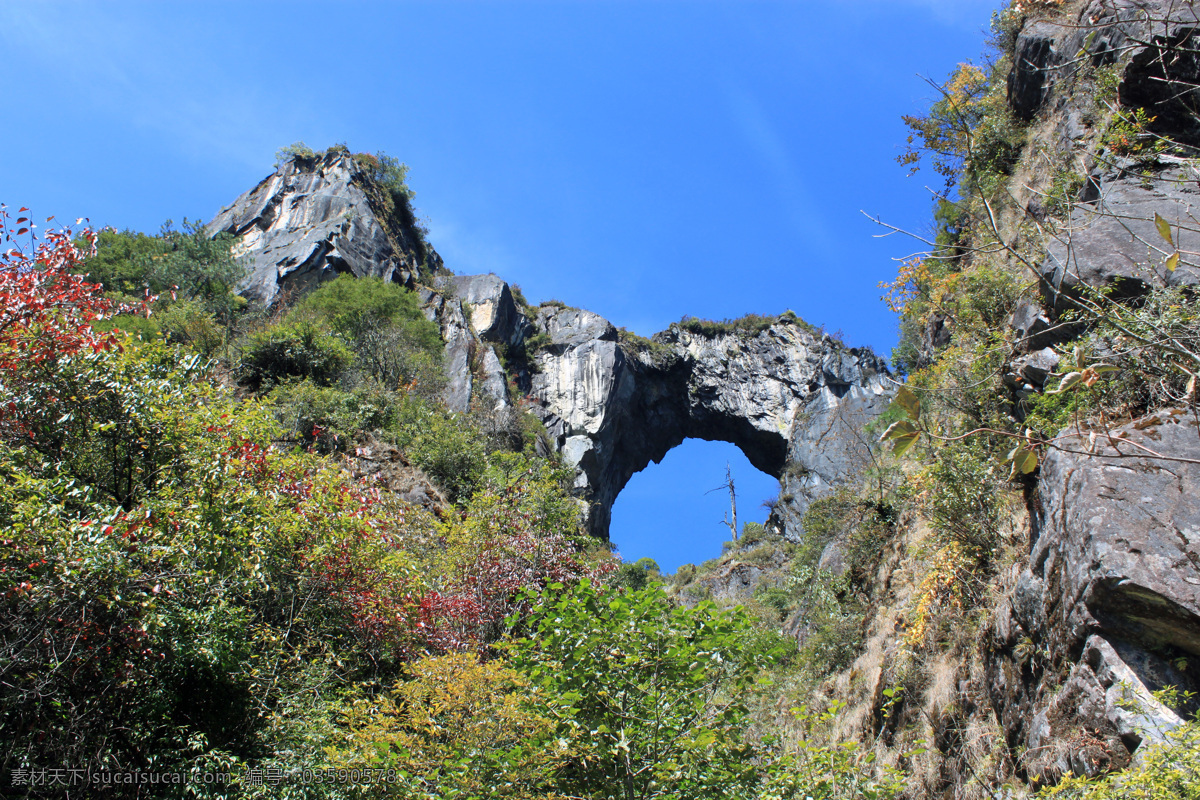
<point x="644" y="160"/>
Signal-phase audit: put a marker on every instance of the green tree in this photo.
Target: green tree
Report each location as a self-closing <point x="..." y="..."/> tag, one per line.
<point x="650" y="696"/>
<point x="197" y="266"/>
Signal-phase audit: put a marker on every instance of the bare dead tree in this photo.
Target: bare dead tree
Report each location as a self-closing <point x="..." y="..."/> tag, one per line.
<point x="732" y="524"/>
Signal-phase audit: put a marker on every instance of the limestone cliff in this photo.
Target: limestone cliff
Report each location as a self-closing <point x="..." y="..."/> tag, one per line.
<point x="792" y="400"/>
<point x="314" y="218"/>
<point x="1105" y="611"/>
<point x="1097" y="609"/>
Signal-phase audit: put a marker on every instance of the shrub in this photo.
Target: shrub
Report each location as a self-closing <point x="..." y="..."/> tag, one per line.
<point x="658" y="352"/>
<point x="390" y="177"/>
<point x="970" y="134"/>
<point x="1170" y="769"/>
<point x="685" y="574"/>
<point x="446" y="446"/>
<point x="190" y="322"/>
<point x="298" y="349"/>
<point x="330" y="417"/>
<point x="646" y="696"/>
<point x="637" y="575"/>
<point x="292" y="151"/>
<point x="382" y="322"/>
<point x="966" y="497"/>
<point x="751" y="324"/>
<point x="454" y="725"/>
<point x="352" y="306"/>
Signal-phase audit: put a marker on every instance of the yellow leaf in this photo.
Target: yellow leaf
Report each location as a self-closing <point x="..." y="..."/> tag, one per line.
<point x="908" y="402"/>
<point x="1164" y="228"/>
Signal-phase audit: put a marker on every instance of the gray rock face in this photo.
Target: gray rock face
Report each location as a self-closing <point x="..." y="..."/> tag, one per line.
<point x="493" y="311"/>
<point x="1111" y="597"/>
<point x="313" y="219"/>
<point x="1110" y="241"/>
<point x="737" y="581"/>
<point x="1048" y="51"/>
<point x="1114" y="242"/>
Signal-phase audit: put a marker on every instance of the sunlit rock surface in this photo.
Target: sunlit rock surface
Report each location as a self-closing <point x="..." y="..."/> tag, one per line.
<point x="312" y="219"/>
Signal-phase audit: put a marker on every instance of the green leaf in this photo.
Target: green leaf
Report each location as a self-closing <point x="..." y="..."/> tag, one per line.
<point x="1069" y="380"/>
<point x="898" y="429"/>
<point x="904" y="443"/>
<point x="908" y="402"/>
<point x="1164" y="228"/>
<point x="1087" y="44"/>
<point x="1026" y="461"/>
<point x="903" y="434"/>
<point x="1104" y="369"/>
<point x="1172" y="261"/>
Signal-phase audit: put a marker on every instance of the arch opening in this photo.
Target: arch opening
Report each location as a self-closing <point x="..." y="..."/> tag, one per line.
<point x="669" y="512"/>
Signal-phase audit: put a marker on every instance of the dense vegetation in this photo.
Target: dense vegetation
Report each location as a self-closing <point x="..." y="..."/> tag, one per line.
<point x="254" y="542"/>
<point x="971" y="430"/>
<point x="249" y="543"/>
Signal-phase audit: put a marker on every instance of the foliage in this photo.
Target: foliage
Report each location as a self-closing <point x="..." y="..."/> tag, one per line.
<point x="658" y="352"/>
<point x="191" y="323"/>
<point x="447" y="447"/>
<point x="964" y="497"/>
<point x="520" y="531"/>
<point x="941" y="593"/>
<point x="390" y="177"/>
<point x="196" y="266"/>
<point x="121" y="261"/>
<point x="291" y="151"/>
<point x="968" y="134"/>
<point x="453" y="727"/>
<point x="329" y="417"/>
<point x="751" y="324"/>
<point x="1128" y="135"/>
<point x="144" y="597"/>
<point x="637" y="575"/>
<point x="393" y="343"/>
<point x="649" y="698"/>
<point x="352" y="306"/>
<point x="815" y="770"/>
<point x="388" y="172"/>
<point x="302" y="348"/>
<point x="172" y="575"/>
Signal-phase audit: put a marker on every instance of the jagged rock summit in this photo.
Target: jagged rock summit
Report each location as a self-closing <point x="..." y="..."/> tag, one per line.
<point x="316" y="217"/>
<point x="794" y="401"/>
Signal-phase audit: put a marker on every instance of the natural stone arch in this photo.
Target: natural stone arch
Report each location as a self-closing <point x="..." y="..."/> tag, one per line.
<point x="792" y="400"/>
<point x="778" y="392"/>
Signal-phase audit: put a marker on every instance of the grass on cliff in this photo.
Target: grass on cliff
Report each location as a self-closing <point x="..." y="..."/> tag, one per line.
<point x="751" y="324"/>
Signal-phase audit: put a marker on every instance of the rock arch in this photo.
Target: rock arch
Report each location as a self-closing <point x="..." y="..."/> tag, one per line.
<point x="792" y="400"/>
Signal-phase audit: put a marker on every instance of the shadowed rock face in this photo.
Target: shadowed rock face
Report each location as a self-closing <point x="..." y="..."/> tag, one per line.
<point x="1111" y="596"/>
<point x="313" y="219"/>
<point x="792" y="401"/>
<point x="1111" y="241"/>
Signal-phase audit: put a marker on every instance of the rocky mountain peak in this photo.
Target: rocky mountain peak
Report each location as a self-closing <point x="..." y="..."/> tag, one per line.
<point x="318" y="216"/>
